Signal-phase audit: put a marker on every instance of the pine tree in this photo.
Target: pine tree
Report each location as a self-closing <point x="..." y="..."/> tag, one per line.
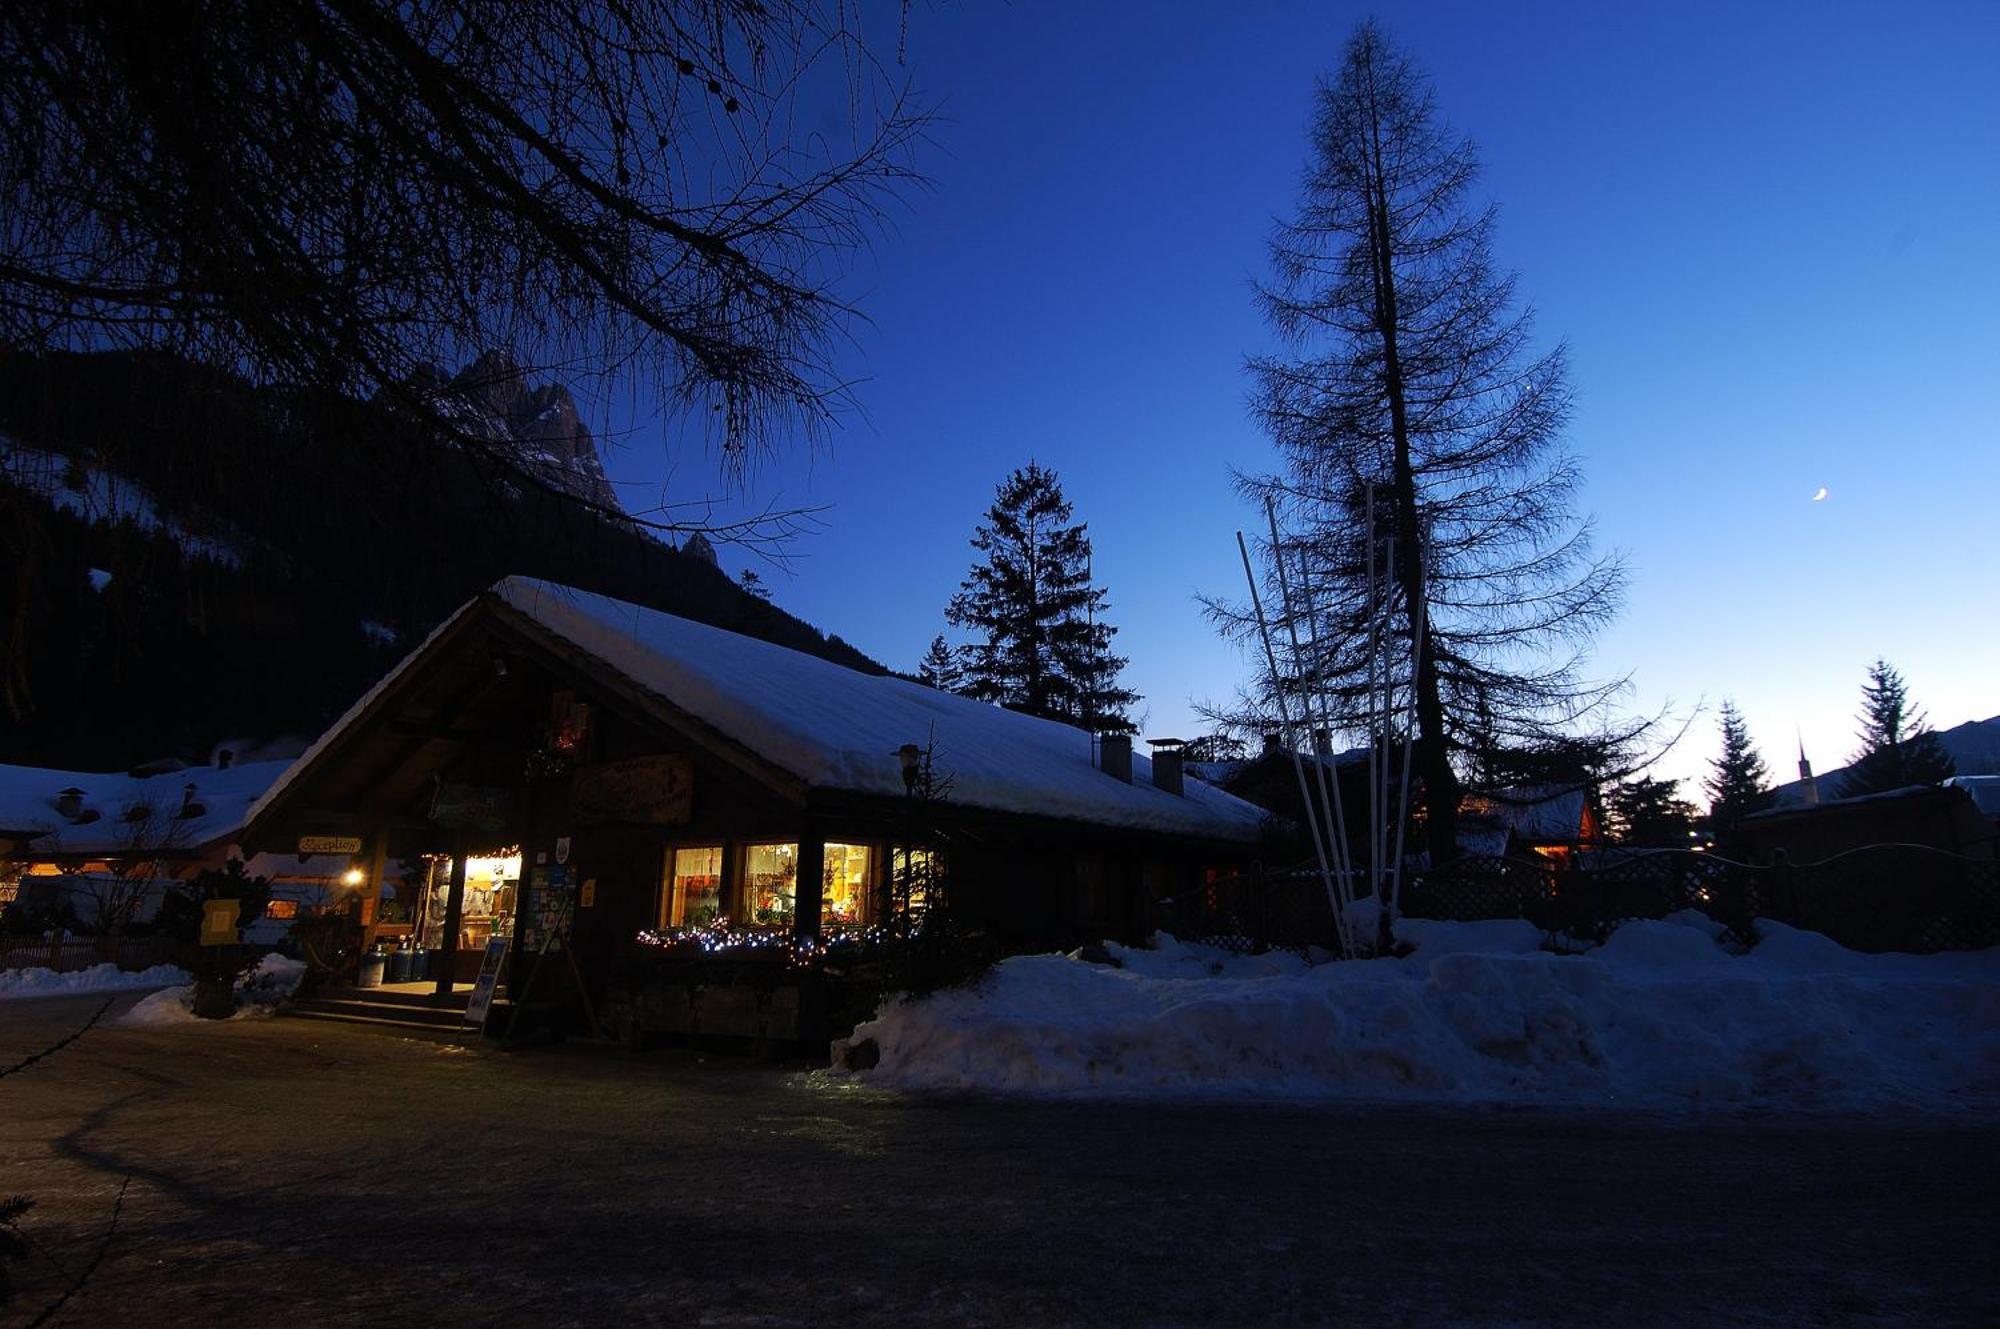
<point x="754" y="584"/>
<point x="1740" y="783"/>
<point x="1044" y="647"/>
<point x="1898" y="746"/>
<point x="940" y="667"/>
<point x="1651" y="812"/>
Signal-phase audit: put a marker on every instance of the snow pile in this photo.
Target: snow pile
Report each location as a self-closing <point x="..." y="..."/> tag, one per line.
<point x="259" y="991"/>
<point x="1664" y="1015"/>
<point x="105" y="977"/>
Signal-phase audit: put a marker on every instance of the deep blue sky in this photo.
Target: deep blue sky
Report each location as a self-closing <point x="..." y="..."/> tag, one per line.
<point x="1768" y="233"/>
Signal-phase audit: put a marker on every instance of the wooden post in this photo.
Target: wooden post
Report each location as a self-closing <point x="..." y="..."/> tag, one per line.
<point x="454" y="915"/>
<point x="728" y="903"/>
<point x="378" y="857"/>
<point x="811" y="880"/>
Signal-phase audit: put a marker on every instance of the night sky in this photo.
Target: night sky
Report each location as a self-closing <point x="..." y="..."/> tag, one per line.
<point x="1767" y="233"/>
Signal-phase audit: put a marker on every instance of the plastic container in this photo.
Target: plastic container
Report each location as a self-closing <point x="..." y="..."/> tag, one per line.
<point x="398" y="970"/>
<point x="420" y="966"/>
<point x="372" y="965"/>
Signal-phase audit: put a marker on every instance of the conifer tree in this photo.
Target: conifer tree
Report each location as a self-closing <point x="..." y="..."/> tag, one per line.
<point x="1898" y="746"/>
<point x="1413" y="396"/>
<point x="1740" y="783"/>
<point x="1650" y="811"/>
<point x="1043" y="646"/>
<point x="940" y="667"/>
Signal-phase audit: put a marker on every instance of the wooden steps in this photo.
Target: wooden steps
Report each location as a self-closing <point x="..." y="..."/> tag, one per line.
<point x="403" y="1011"/>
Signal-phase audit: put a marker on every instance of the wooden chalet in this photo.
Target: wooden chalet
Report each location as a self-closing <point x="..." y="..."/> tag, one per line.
<point x="579" y="767"/>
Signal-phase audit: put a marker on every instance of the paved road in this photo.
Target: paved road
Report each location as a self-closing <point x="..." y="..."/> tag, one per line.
<point x="285" y="1172"/>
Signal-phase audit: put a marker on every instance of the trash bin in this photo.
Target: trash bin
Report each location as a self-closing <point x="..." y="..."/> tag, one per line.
<point x="420" y="965"/>
<point x="399" y="966"/>
<point x="372" y="965"/>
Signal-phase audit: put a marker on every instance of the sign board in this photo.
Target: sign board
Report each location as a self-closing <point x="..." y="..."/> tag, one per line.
<point x="587" y="898"/>
<point x="481" y="1001"/>
<point x="218" y="922"/>
<point x="471" y="807"/>
<point x="562" y="849"/>
<point x="329" y="844"/>
<point x="652" y="791"/>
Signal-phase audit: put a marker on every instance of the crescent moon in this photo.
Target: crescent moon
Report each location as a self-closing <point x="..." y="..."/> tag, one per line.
<point x="1820" y="495"/>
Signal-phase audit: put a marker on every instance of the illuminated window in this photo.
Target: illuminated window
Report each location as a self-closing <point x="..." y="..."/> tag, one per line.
<point x="844" y="897"/>
<point x="694" y="888"/>
<point x="914" y="870"/>
<point x="770" y="884"/>
<point x="282" y="909"/>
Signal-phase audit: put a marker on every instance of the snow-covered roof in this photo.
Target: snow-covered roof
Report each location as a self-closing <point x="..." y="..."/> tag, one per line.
<point x="29" y="795"/>
<point x="1534" y="812"/>
<point x="838" y="729"/>
<point x="1985" y="791"/>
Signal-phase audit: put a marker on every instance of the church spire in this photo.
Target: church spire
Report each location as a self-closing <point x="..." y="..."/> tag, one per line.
<point x="1810" y="793"/>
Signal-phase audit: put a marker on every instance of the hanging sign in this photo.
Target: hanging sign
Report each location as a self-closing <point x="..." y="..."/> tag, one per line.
<point x="587" y="898"/>
<point x="218" y="922"/>
<point x="480" y="1002"/>
<point x="470" y="807"/>
<point x="329" y="844"/>
<point x="652" y="791"/>
<point x="562" y="849"/>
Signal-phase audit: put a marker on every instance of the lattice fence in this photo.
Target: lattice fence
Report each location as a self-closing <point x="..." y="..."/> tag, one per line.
<point x="1882" y="898"/>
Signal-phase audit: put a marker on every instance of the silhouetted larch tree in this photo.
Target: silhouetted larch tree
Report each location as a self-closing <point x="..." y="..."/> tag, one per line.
<point x="1042" y="644"/>
<point x="1898" y="746"/>
<point x="334" y="197"/>
<point x="1738" y="783"/>
<point x="1414" y="385"/>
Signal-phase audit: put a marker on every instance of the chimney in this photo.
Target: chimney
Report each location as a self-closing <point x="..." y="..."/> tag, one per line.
<point x="1271" y="747"/>
<point x="69" y="804"/>
<point x="1322" y="742"/>
<point x="190" y="807"/>
<point x="1167" y="765"/>
<point x="223" y="757"/>
<point x="1115" y="757"/>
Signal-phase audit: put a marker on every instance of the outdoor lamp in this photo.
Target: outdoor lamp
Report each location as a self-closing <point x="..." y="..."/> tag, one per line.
<point x="354" y="876"/>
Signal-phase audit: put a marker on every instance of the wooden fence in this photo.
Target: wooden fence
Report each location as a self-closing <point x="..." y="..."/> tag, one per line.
<point x="71" y="953"/>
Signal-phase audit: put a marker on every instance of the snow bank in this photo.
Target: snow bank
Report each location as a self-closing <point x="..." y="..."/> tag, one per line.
<point x="98" y="978"/>
<point x="1664" y="1015"/>
<point x="259" y="990"/>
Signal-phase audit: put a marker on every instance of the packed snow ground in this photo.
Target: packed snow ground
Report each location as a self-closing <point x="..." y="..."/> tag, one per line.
<point x="105" y="977"/>
<point x="259" y="990"/>
<point x="1663" y="1015"/>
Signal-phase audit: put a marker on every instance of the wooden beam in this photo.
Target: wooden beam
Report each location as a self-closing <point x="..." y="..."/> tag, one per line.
<point x="454" y="915"/>
<point x="811" y="880"/>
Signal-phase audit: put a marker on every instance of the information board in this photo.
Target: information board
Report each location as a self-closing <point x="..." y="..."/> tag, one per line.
<point x="481" y="1001"/>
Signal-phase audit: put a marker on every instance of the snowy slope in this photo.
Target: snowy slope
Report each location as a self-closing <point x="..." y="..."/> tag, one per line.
<point x="96" y="494"/>
<point x="835" y="728"/>
<point x="1662" y="1015"/>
